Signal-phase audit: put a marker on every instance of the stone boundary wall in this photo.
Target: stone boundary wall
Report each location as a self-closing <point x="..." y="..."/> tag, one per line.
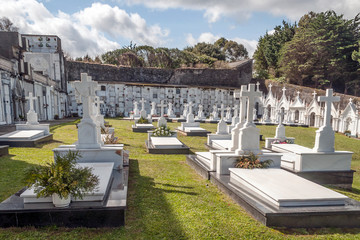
<point x="232" y="77"/>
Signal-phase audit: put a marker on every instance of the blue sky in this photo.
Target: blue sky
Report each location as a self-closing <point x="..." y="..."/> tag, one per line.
<point x="94" y="27"/>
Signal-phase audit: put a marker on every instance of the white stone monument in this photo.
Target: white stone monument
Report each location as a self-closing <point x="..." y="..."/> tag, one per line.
<point x="200" y="116"/>
<point x="32" y="117"/>
<point x="170" y="110"/>
<point x="325" y="136"/>
<point x="153" y="108"/>
<point x="136" y="112"/>
<point x="235" y="131"/>
<point x="214" y="114"/>
<point x="89" y="134"/>
<point x="249" y="135"/>
<point x="143" y="111"/>
<point x="162" y="121"/>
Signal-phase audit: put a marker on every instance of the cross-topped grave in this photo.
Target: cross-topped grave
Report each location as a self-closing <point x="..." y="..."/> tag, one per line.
<point x="325" y="137"/>
<point x="162" y="121"/>
<point x="249" y="135"/>
<point x="162" y="105"/>
<point x="222" y="109"/>
<point x="235" y="131"/>
<point x="153" y="108"/>
<point x="190" y="115"/>
<point x="251" y="95"/>
<point x="98" y="102"/>
<point x="32" y="117"/>
<point x="143" y="111"/>
<point x="88" y="131"/>
<point x="280" y="129"/>
<point x="136" y="109"/>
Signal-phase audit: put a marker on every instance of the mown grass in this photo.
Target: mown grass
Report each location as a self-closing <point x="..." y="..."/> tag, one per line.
<point x="166" y="198"/>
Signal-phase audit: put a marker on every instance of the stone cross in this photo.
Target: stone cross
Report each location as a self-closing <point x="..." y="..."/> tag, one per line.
<point x="281" y="115"/>
<point x="98" y="102"/>
<point x="328" y="99"/>
<point x="270" y="86"/>
<point x="283" y="90"/>
<point x="222" y="109"/>
<point x="190" y="105"/>
<point x="314" y="94"/>
<point x="86" y="89"/>
<point x="298" y="94"/>
<point x="236" y="110"/>
<point x="162" y="105"/>
<point x="251" y="94"/>
<point x="350" y="100"/>
<point x="31" y="101"/>
<point x="142" y="101"/>
<point x="257" y="86"/>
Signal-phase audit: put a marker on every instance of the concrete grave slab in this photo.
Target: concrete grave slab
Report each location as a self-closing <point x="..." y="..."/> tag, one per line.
<point x="284" y="189"/>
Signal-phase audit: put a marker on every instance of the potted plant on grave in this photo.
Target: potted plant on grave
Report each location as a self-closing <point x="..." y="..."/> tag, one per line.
<point x="61" y="179"/>
<point x="251" y="161"/>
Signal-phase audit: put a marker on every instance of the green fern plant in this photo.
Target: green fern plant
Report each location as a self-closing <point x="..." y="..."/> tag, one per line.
<point x="62" y="177"/>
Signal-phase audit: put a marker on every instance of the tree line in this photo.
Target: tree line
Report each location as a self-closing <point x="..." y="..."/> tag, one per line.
<point x="201" y="55"/>
<point x="321" y="51"/>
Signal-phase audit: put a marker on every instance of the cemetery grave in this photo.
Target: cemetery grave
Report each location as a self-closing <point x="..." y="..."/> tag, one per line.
<point x="29" y="134"/>
<point x="163" y="201"/>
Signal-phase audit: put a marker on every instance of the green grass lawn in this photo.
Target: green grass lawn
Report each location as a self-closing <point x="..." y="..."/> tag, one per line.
<point x="166" y="198"/>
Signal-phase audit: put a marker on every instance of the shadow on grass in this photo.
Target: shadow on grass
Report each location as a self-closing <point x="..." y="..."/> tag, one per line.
<point x="148" y="209"/>
<point x="175" y="186"/>
<point x="54" y="127"/>
<point x="11" y="175"/>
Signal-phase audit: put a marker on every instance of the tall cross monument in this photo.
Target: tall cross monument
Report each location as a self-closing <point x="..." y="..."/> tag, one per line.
<point x="89" y="135"/>
<point x="32" y="117"/>
<point x="325" y="137"/>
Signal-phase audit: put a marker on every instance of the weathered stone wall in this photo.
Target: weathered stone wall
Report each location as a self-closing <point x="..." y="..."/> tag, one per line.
<point x="232" y="77"/>
<point x="305" y="93"/>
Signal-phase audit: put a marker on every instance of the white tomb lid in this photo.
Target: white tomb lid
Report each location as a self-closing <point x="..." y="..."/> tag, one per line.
<point x="283" y="188"/>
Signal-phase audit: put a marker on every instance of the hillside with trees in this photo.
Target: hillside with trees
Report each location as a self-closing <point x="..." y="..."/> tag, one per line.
<point x="204" y="55"/>
<point x="321" y="51"/>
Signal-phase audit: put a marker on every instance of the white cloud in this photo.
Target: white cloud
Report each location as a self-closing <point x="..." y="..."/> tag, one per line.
<point x="204" y="37"/>
<point x="240" y="10"/>
<point x="207" y="37"/>
<point x="83" y="32"/>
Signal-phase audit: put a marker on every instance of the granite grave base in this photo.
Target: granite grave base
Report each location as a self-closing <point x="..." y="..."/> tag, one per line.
<point x="340" y="179"/>
<point x="181" y="149"/>
<point x="142" y="129"/>
<point x="4" y="150"/>
<point x="345" y="216"/>
<point x="108" y="213"/>
<point x="25" y="142"/>
<point x="194" y="133"/>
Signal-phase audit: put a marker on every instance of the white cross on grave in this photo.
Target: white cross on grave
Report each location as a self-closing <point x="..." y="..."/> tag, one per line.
<point x="98" y="102"/>
<point x="283" y="90"/>
<point x="281" y="115"/>
<point x="222" y="109"/>
<point x="162" y="105"/>
<point x="257" y="86"/>
<point x="142" y="101"/>
<point x="89" y="135"/>
<point x="251" y="94"/>
<point x="325" y="136"/>
<point x="328" y="99"/>
<point x="31" y="101"/>
<point x="86" y="89"/>
<point x="190" y="105"/>
<point x="298" y="94"/>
